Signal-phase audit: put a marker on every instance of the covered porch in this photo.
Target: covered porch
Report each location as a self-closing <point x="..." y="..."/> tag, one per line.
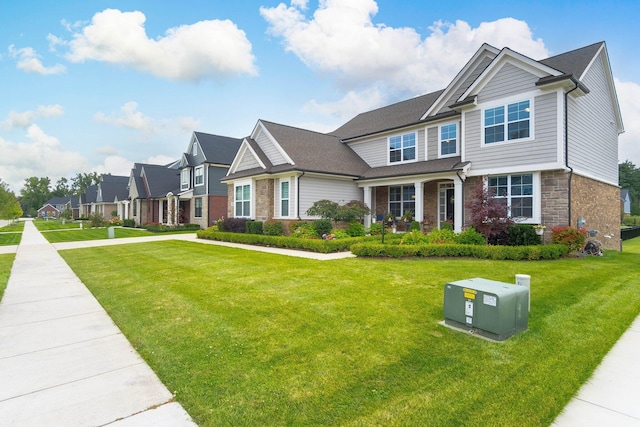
<point x="430" y="199"/>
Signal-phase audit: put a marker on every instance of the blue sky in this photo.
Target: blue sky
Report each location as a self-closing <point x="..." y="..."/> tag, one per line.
<point x="97" y="85"/>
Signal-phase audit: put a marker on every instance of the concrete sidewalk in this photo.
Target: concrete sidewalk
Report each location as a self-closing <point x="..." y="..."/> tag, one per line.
<point x="63" y="362"/>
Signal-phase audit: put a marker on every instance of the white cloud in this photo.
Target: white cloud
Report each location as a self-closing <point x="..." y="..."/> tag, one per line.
<point x="352" y="104"/>
<point x="115" y="165"/>
<point x="629" y="141"/>
<point x="29" y="61"/>
<point x="107" y="151"/>
<point x="206" y="49"/>
<point x="129" y="118"/>
<point x="26" y="118"/>
<point x="39" y="155"/>
<point x="342" y="41"/>
<point x="159" y="159"/>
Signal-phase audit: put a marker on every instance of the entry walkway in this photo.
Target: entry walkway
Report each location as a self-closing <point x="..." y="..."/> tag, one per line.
<point x="63" y="362"/>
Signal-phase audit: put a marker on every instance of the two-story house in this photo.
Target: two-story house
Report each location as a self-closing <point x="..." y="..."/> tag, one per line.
<point x="112" y="197"/>
<point x="542" y="135"/>
<point x="153" y="194"/>
<point x="56" y="206"/>
<point x="202" y="166"/>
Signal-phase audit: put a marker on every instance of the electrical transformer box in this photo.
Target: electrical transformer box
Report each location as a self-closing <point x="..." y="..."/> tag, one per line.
<point x="494" y="310"/>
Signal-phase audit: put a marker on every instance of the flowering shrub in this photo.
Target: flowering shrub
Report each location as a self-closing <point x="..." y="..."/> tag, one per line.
<point x="571" y="237"/>
<point x="303" y="230"/>
<point x="115" y="221"/>
<point x="442" y="236"/>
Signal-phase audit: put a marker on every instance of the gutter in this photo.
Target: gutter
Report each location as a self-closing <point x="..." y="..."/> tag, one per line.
<point x="566" y="144"/>
<point x="298" y="193"/>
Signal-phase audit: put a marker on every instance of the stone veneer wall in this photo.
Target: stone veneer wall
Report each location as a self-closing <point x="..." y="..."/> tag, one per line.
<point x="599" y="204"/>
<point x="264" y="193"/>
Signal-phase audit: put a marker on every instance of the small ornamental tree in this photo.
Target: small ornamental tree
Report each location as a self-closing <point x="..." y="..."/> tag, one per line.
<point x="488" y="215"/>
<point x="354" y="210"/>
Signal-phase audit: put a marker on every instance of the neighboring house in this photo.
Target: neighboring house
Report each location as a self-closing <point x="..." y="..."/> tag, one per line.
<point x="543" y="135"/>
<point x="202" y="166"/>
<point x="153" y="192"/>
<point x="625" y="199"/>
<point x="55" y="206"/>
<point x="112" y="197"/>
<point x="87" y="201"/>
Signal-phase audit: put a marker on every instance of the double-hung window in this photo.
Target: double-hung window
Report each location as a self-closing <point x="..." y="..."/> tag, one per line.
<point x="448" y="140"/>
<point x="402" y="199"/>
<point x="402" y="148"/>
<point x="198" y="207"/>
<point x="243" y="201"/>
<point x="516" y="192"/>
<point x="199" y="175"/>
<point x="185" y="175"/>
<point x="284" y="198"/>
<point x="507" y="123"/>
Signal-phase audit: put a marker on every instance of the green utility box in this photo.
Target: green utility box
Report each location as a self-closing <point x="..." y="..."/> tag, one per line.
<point x="494" y="310"/>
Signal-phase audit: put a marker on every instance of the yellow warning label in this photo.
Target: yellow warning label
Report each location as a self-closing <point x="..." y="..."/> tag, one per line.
<point x="470" y="293"/>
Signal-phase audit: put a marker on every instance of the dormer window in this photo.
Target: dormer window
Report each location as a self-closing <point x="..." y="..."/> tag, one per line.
<point x="194" y="149"/>
<point x="402" y="148"/>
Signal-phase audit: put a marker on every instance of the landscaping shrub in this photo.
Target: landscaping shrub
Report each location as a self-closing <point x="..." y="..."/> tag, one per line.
<point x="454" y="250"/>
<point x="234" y="225"/>
<point x="97" y="220"/>
<point x="129" y="223"/>
<point x="414" y="226"/>
<point x="355" y="229"/>
<point x="470" y="236"/>
<point x="414" y="238"/>
<point x="115" y="221"/>
<point x="375" y="229"/>
<point x="446" y="225"/>
<point x="441" y="236"/>
<point x="339" y="233"/>
<point x="303" y="230"/>
<point x="572" y="237"/>
<point x="522" y="235"/>
<point x="253" y="227"/>
<point x="322" y="226"/>
<point x="273" y="228"/>
<point x="631" y="221"/>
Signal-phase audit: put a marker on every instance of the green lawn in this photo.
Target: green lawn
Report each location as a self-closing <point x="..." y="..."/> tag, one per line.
<point x="248" y="338"/>
<point x="6" y="261"/>
<point x="9" y="239"/>
<point x="92" y="234"/>
<point x="55" y="224"/>
<point x="13" y="228"/>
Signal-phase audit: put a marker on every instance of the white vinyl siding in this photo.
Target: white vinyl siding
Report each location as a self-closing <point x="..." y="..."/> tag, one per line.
<point x="248" y="161"/>
<point x="375" y="151"/>
<point x="508" y="81"/>
<point x="466" y="83"/>
<point x="269" y="149"/>
<point x="539" y="150"/>
<point x="593" y="135"/>
<point x="314" y="188"/>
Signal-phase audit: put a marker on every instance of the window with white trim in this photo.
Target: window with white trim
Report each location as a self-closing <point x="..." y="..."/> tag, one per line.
<point x="185" y="175"/>
<point x="516" y="192"/>
<point x="242" y="201"/>
<point x="402" y="199"/>
<point x="199" y="175"/>
<point x="198" y="207"/>
<point x="448" y="140"/>
<point x="516" y="122"/>
<point x="194" y="149"/>
<point x="402" y="148"/>
<point x="284" y="198"/>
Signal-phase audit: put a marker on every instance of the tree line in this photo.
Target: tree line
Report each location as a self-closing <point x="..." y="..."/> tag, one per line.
<point x="36" y="191"/>
<point x="629" y="178"/>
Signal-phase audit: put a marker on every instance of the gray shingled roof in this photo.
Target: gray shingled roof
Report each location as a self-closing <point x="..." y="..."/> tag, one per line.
<point x="113" y="186"/>
<point x="160" y="180"/>
<point x="90" y="194"/>
<point x="63" y="201"/>
<point x="574" y="62"/>
<point x="390" y="117"/>
<point x="316" y="152"/>
<point x="218" y="149"/>
<point x="448" y="164"/>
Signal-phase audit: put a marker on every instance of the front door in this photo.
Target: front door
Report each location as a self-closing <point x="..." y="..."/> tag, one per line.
<point x="446" y="204"/>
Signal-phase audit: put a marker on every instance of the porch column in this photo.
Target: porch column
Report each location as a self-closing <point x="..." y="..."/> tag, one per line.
<point x="367" y="202"/>
<point x="126" y="209"/>
<point x="419" y="191"/>
<point x="457" y="205"/>
<point x="176" y="209"/>
<point x="169" y="210"/>
<point x="160" y="211"/>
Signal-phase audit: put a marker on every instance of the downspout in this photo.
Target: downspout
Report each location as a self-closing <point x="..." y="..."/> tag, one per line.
<point x="298" y="194"/>
<point x="566" y="146"/>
